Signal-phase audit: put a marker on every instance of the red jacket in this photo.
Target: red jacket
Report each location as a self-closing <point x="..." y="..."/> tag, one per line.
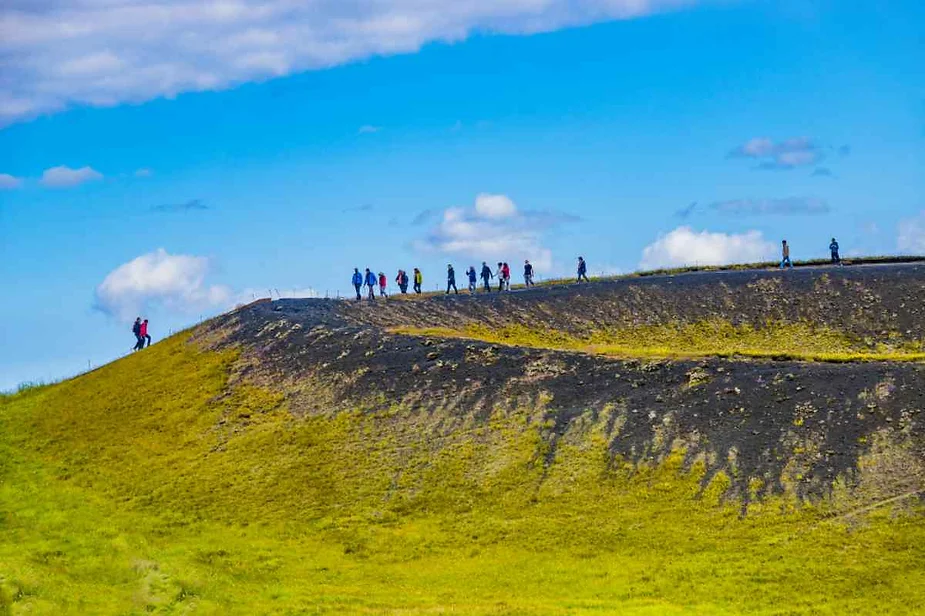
<point x="382" y="281"/>
<point x="507" y="271"/>
<point x="144" y="329"/>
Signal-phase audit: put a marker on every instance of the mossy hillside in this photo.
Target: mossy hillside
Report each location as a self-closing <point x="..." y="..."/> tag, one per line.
<point x="166" y="483"/>
<point x="707" y="338"/>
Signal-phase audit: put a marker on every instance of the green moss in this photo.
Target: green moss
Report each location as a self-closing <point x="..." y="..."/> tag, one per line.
<point x="714" y="337"/>
<point x="156" y="484"/>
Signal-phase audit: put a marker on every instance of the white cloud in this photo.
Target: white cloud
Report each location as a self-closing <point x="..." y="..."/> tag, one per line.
<point x="8" y="181"/>
<point x="911" y="238"/>
<point x="58" y="53"/>
<point x="494" y="206"/>
<point x="144" y="172"/>
<point x="368" y="129"/>
<point x="494" y="230"/>
<point x="175" y="281"/>
<point x="684" y="246"/>
<point x="65" y="177"/>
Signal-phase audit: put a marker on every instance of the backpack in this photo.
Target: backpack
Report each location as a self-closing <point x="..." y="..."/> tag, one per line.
<point x="136" y="328"/>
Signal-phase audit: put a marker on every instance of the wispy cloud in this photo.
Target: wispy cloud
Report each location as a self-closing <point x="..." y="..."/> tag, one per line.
<point x="144" y="172"/>
<point x="911" y="238"/>
<point x="8" y="181"/>
<point x="789" y="206"/>
<point x="424" y="217"/>
<point x="494" y="228"/>
<point x="186" y="206"/>
<point x="65" y="177"/>
<point x="368" y="129"/>
<point x="684" y="246"/>
<point x="779" y="156"/>
<point x="59" y="53"/>
<point x="823" y="172"/>
<point x="366" y="207"/>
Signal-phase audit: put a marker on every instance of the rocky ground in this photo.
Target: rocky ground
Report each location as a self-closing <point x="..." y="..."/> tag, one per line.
<point x="771" y="426"/>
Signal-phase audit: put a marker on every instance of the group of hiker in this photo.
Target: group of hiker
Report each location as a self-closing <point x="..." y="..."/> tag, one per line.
<point x="140" y="329"/>
<point x="373" y="281"/>
<point x="785" y="254"/>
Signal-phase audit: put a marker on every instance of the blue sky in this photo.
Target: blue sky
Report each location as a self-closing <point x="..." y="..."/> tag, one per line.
<point x="153" y="176"/>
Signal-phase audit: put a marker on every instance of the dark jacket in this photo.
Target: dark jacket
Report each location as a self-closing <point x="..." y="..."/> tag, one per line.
<point x="486" y="272"/>
<point x="471" y="273"/>
<point x="450" y="275"/>
<point x="136" y="328"/>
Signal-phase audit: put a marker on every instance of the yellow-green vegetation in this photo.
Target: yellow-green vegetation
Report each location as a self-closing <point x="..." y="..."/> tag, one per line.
<point x="714" y="338"/>
<point x="161" y="484"/>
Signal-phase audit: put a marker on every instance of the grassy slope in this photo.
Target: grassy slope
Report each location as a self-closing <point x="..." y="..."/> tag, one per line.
<point x="714" y="338"/>
<point x="152" y="485"/>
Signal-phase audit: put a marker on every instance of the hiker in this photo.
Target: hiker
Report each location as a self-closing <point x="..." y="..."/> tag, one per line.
<point x="472" y="278"/>
<point x="357" y="281"/>
<point x="833" y="248"/>
<point x="500" y="273"/>
<point x="451" y="279"/>
<point x="136" y="329"/>
<point x="371" y="284"/>
<point x="486" y="276"/>
<point x="402" y="280"/>
<point x="506" y="270"/>
<point x="528" y="274"/>
<point x="418" y="281"/>
<point x="143" y="334"/>
<point x="785" y="255"/>
<point x="582" y="270"/>
<point x="383" y="283"/>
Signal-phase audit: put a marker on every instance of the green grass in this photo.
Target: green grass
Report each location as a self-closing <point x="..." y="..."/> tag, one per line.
<point x="708" y="338"/>
<point x="159" y="484"/>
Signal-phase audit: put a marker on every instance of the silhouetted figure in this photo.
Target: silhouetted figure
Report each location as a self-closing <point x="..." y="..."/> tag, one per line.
<point x="371" y="284"/>
<point x="785" y="255"/>
<point x="487" y="275"/>
<point x="144" y="334"/>
<point x="451" y="280"/>
<point x="470" y="273"/>
<point x="136" y="329"/>
<point x="582" y="270"/>
<point x="833" y="248"/>
<point x="500" y="274"/>
<point x="528" y="274"/>
<point x="402" y="280"/>
<point x="418" y="280"/>
<point x="357" y="281"/>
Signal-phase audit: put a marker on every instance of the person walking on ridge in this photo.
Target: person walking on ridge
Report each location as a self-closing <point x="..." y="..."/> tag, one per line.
<point x="507" y="275"/>
<point x="418" y="280"/>
<point x="785" y="255"/>
<point x="582" y="270"/>
<point x="143" y="334"/>
<point x="357" y="281"/>
<point x="500" y="273"/>
<point x="371" y="284"/>
<point x="472" y="279"/>
<point x="136" y="329"/>
<point x="833" y="248"/>
<point x="528" y="274"/>
<point x="383" y="283"/>
<point x="451" y="279"/>
<point x="402" y="280"/>
<point x="486" y="276"/>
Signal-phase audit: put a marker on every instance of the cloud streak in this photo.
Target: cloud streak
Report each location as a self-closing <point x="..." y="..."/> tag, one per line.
<point x="788" y="206"/>
<point x="186" y="206"/>
<point x="61" y="53"/>
<point x="8" y="181"/>
<point x="779" y="156"/>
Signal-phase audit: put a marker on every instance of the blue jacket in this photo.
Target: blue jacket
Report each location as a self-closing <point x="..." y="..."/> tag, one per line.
<point x="582" y="267"/>
<point x="357" y="279"/>
<point x="833" y="246"/>
<point x="371" y="279"/>
<point x="471" y="274"/>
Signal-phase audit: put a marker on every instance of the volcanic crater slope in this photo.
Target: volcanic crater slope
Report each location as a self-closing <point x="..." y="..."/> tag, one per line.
<point x="770" y="425"/>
